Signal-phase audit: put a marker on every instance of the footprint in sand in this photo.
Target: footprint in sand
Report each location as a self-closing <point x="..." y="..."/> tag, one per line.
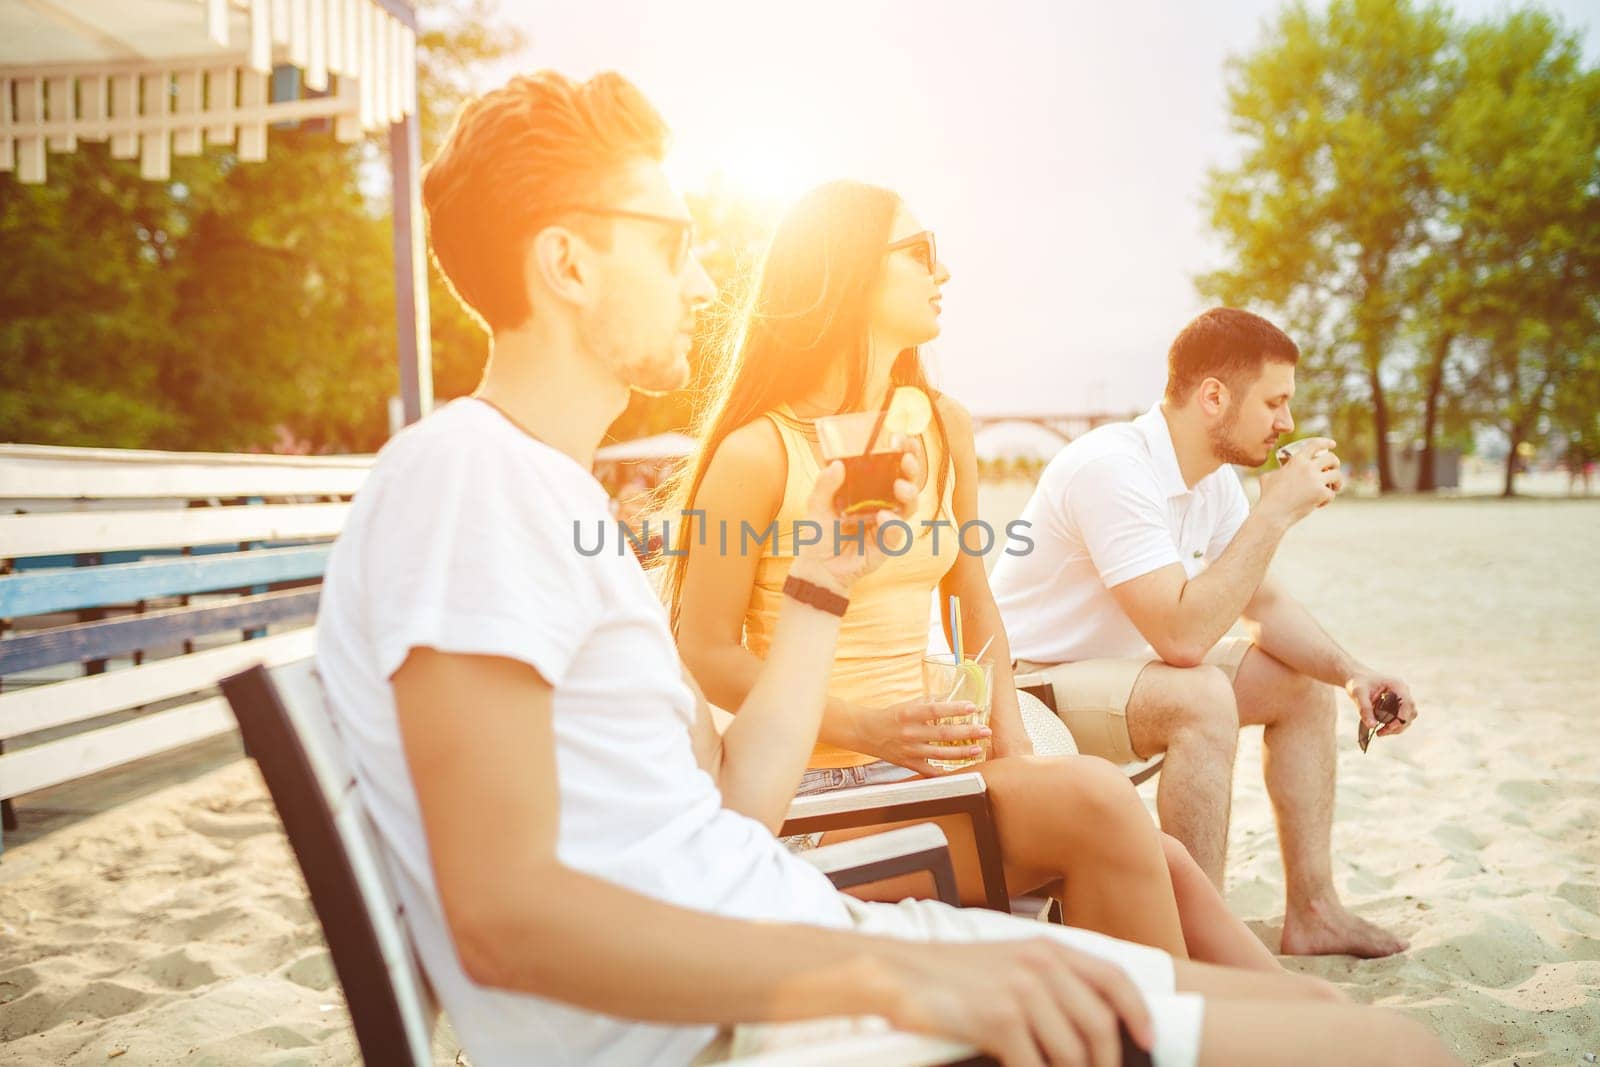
<point x="1586" y="897"/>
<point x="16" y="982"/>
<point x="1495" y="955"/>
<point x="46" y="1008"/>
<point x="233" y="826"/>
<point x="1457" y="838"/>
<point x="313" y="970"/>
<point x="179" y="970"/>
<point x="209" y="925"/>
<point x="1528" y="792"/>
<point x="27" y="1015"/>
<point x="257" y="1044"/>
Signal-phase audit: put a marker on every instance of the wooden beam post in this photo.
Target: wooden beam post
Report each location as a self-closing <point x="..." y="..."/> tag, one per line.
<point x="410" y="269"/>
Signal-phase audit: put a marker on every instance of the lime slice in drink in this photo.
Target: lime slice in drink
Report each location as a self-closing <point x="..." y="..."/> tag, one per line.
<point x="909" y="411"/>
<point x="868" y="507"/>
<point x="973" y="690"/>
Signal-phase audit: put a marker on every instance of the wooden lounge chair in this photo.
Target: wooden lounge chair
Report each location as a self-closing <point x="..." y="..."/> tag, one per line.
<point x="291" y="736"/>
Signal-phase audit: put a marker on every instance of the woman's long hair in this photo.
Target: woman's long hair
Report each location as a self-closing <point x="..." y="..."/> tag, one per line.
<point x="808" y="311"/>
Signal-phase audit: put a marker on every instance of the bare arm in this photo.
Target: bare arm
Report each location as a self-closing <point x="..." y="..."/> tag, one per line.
<point x="967" y="579"/>
<point x="520" y="920"/>
<point x="1280" y="625"/>
<point x="743" y="484"/>
<point x="1183" y="617"/>
<point x="759" y="759"/>
<point x="763" y="753"/>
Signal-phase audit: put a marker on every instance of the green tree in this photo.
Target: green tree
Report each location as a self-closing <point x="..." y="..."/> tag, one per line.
<point x="1323" y="215"/>
<point x="1518" y="169"/>
<point x="459" y="40"/>
<point x="77" y="363"/>
<point x="232" y="307"/>
<point x="283" y="318"/>
<point x="1575" y="411"/>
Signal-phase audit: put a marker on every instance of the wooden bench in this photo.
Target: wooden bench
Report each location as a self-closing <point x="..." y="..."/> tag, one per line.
<point x="131" y="582"/>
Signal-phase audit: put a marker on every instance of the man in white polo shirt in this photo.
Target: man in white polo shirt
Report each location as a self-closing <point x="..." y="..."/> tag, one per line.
<point x="1146" y="554"/>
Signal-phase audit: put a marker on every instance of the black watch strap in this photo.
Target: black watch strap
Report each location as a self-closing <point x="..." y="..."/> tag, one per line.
<point x="818" y="597"/>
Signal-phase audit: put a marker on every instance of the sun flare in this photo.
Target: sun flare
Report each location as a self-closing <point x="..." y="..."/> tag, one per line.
<point x="758" y="170"/>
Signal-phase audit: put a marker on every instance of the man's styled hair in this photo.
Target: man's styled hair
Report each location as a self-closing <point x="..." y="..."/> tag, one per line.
<point x="1227" y="344"/>
<point x="514" y="158"/>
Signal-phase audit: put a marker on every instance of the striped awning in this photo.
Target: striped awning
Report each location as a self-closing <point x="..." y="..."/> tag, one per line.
<point x="159" y="78"/>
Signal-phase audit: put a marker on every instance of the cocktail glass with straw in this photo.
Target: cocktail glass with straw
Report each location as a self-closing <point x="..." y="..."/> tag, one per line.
<point x="952" y="676"/>
<point x="943" y="676"/>
<point x="864" y="442"/>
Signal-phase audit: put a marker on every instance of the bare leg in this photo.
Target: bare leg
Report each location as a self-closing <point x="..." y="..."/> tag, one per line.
<point x="1073" y="824"/>
<point x="1243" y="1033"/>
<point x="1078" y="820"/>
<point x="1298" y="763"/>
<point x="1234" y="983"/>
<point x="1189" y="714"/>
<point x="1212" y="932"/>
<point x="1260" y="1019"/>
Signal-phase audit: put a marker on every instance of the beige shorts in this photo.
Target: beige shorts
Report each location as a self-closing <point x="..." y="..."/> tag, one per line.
<point x="1092" y="695"/>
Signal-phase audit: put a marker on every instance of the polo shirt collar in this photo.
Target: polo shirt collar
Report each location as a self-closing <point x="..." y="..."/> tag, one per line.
<point x="1158" y="438"/>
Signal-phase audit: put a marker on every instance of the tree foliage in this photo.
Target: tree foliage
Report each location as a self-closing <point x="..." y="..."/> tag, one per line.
<point x="252" y="306"/>
<point x="234" y="307"/>
<point x="1417" y="200"/>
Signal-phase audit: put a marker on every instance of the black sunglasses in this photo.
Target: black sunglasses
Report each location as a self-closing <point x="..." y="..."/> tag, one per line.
<point x="685" y="227"/>
<point x="922" y="248"/>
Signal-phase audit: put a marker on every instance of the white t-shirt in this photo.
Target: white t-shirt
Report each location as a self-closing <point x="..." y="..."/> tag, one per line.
<point x="463" y="540"/>
<point x="1111" y="506"/>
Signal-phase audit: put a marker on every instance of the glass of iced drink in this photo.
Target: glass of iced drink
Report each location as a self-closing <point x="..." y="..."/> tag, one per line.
<point x="863" y="442"/>
<point x="869" y="475"/>
<point x="945" y="679"/>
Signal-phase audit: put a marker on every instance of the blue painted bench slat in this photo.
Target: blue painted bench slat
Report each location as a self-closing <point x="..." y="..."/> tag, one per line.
<point x="43" y="592"/>
<point x="98" y="532"/>
<point x="71" y="559"/>
<point x="116" y="637"/>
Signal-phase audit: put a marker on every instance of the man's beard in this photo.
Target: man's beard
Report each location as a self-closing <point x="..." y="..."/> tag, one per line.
<point x="1224" y="447"/>
<point x="654" y="377"/>
<point x="655" y="374"/>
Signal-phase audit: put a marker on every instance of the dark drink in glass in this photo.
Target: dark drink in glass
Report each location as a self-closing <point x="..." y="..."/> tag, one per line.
<point x="868" y="484"/>
<point x="868" y="476"/>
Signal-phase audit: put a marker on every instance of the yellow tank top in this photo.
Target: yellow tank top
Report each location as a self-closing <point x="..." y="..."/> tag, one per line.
<point x="884" y="634"/>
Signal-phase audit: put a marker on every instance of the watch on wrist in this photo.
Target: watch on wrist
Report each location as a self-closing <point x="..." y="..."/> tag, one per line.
<point x="816" y="596"/>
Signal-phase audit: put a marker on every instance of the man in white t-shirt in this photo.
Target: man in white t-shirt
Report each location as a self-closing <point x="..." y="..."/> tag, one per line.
<point x="587" y="867"/>
<point x="1145" y="554"/>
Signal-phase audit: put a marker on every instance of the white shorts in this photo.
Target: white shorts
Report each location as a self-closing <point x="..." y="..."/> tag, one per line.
<point x="1177" y="1016"/>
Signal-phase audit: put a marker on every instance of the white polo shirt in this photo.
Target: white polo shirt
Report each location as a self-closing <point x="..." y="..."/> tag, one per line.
<point x="1110" y="507"/>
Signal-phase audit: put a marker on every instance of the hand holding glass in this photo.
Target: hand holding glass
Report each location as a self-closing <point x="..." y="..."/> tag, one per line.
<point x="945" y="679"/>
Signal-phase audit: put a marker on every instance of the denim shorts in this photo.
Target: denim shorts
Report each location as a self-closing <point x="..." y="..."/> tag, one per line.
<point x="833" y="779"/>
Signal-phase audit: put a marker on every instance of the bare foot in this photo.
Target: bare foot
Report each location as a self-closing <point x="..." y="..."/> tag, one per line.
<point x="1332" y="930"/>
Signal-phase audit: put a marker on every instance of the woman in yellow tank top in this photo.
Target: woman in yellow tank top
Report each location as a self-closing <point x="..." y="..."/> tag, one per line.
<point x="849" y="289"/>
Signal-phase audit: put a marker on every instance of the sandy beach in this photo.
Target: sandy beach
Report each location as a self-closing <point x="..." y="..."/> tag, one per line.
<point x="161" y="918"/>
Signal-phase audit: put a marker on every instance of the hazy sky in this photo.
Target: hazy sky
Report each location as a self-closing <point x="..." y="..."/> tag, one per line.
<point x="1058" y="150"/>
